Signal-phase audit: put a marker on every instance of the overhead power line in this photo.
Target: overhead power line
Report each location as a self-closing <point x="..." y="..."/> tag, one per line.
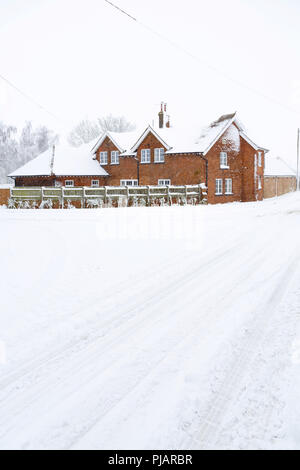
<point x="198" y="59"/>
<point x="29" y="98"/>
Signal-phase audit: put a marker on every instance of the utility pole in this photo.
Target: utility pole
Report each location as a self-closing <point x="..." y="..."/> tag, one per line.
<point x="298" y="156"/>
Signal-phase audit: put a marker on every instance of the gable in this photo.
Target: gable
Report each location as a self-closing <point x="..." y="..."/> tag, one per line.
<point x="149" y="131"/>
<point x="100" y="141"/>
<point x="210" y="135"/>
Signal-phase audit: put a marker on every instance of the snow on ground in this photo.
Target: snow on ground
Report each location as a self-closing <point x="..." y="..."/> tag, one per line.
<point x="169" y="327"/>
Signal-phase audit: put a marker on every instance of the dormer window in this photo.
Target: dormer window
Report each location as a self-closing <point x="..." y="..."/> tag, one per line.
<point x="159" y="155"/>
<point x="146" y="156"/>
<point x="115" y="157"/>
<point x="223" y="160"/>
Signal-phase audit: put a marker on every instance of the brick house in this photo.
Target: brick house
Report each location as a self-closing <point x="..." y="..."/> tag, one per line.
<point x="221" y="156"/>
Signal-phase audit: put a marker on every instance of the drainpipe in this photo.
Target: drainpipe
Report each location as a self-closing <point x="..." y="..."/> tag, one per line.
<point x="138" y="170"/>
<point x="206" y="169"/>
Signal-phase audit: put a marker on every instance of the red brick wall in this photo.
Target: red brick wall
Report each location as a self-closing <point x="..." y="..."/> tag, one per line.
<point x="34" y="181"/>
<point x="241" y="162"/>
<point x="180" y="169"/>
<point x="250" y="190"/>
<point x="50" y="180"/>
<point x="229" y="142"/>
<point x="4" y="196"/>
<point x="127" y="169"/>
<point x="82" y="180"/>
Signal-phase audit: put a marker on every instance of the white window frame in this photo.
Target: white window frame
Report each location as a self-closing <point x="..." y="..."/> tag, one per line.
<point x="146" y="156"/>
<point x="164" y="182"/>
<point x="95" y="183"/>
<point x="259" y="159"/>
<point x="228" y="191"/>
<point x="224" y="160"/>
<point x="159" y="155"/>
<point x="103" y="158"/>
<point x="69" y="184"/>
<point x="114" y="157"/>
<point x="131" y="182"/>
<point x="219" y="187"/>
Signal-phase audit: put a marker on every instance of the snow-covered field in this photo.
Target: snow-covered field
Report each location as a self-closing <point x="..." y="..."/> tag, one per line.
<point x="140" y="328"/>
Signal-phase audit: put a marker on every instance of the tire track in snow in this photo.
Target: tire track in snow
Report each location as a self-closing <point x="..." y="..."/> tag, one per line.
<point x="204" y="436"/>
<point x="22" y="370"/>
<point x="182" y="280"/>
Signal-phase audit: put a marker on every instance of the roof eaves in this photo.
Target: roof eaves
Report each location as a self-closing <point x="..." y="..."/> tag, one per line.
<point x="250" y="142"/>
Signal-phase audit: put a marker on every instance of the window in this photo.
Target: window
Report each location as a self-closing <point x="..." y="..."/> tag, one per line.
<point x="159" y="155"/>
<point x="95" y="183"/>
<point x="219" y="186"/>
<point x="223" y="160"/>
<point x="164" y="182"/>
<point x="103" y="158"/>
<point x="228" y="186"/>
<point x="146" y="156"/>
<point x="115" y="157"/>
<point x="259" y="183"/>
<point x="259" y="158"/>
<point x="129" y="182"/>
<point x="69" y="183"/>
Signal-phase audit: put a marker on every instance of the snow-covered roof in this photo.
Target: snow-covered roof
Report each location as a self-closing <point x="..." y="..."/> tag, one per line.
<point x="174" y="139"/>
<point x="122" y="140"/>
<point x="68" y="161"/>
<point x="209" y="135"/>
<point x="277" y="166"/>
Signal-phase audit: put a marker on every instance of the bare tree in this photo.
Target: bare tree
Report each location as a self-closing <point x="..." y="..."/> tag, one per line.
<point x="84" y="132"/>
<point x="15" y="152"/>
<point x="115" y="124"/>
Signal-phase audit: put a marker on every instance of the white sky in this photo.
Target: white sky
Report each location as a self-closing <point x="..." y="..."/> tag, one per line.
<point x="82" y="58"/>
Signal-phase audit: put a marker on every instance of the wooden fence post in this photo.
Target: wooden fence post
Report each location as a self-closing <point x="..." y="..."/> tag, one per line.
<point x="148" y="195"/>
<point x="168" y="195"/>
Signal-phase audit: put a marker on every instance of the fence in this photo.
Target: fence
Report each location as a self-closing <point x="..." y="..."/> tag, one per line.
<point x="47" y="197"/>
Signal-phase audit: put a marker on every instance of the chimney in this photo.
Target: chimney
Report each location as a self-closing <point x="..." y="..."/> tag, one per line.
<point x="161" y="116"/>
<point x="164" y="120"/>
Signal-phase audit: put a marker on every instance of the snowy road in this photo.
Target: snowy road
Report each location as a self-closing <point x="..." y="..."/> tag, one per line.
<point x="151" y="328"/>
